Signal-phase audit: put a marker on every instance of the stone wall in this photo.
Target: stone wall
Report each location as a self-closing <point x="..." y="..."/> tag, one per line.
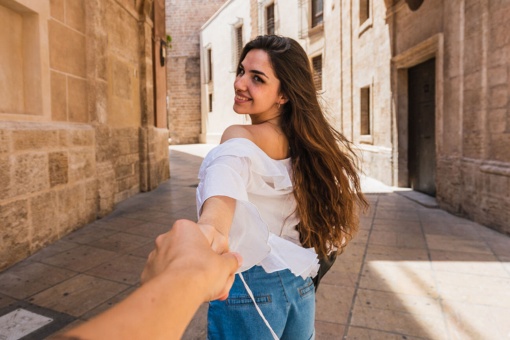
<point x="93" y="141"/>
<point x="472" y="97"/>
<point x="47" y="184"/>
<point x="184" y="19"/>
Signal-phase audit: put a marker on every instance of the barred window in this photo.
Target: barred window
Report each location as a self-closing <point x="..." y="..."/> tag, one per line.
<point x="239" y="42"/>
<point x="365" y="111"/>
<point x="210" y="102"/>
<point x="209" y="65"/>
<point x="270" y="29"/>
<point x="317" y="72"/>
<point x="317" y="12"/>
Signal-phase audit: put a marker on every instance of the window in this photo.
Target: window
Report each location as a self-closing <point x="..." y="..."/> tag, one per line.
<point x="364" y="11"/>
<point x="317" y="12"/>
<point x="317" y="72"/>
<point x="365" y="111"/>
<point x="24" y="70"/>
<point x="209" y="65"/>
<point x="238" y="42"/>
<point x="270" y="28"/>
<point x="210" y="102"/>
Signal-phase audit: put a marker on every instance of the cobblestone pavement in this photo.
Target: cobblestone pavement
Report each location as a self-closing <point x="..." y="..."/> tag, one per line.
<point x="412" y="272"/>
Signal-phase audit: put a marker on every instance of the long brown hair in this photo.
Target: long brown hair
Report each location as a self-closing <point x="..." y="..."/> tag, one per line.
<point x="326" y="182"/>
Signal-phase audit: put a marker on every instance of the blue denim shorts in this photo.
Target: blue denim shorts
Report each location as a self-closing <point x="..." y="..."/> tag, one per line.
<point x="287" y="302"/>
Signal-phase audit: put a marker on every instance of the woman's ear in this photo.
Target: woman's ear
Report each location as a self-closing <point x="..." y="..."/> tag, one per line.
<point x="283" y="99"/>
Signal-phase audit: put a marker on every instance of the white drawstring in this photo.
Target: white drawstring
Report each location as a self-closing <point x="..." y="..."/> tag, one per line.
<point x="275" y="337"/>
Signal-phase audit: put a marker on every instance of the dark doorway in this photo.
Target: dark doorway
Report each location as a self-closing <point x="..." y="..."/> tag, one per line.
<point x="422" y="134"/>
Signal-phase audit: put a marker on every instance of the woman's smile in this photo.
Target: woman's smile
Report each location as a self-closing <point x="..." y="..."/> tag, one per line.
<point x="239" y="99"/>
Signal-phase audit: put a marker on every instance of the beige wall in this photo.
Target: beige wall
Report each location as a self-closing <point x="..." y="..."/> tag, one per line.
<point x="77" y="129"/>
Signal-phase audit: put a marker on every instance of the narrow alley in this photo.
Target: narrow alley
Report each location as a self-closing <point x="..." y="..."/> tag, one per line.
<point x="413" y="271"/>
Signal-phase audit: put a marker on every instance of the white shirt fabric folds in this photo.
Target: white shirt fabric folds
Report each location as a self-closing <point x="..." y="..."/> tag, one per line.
<point x="263" y="229"/>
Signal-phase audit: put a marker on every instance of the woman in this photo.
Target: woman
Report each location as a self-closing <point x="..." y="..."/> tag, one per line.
<point x="282" y="191"/>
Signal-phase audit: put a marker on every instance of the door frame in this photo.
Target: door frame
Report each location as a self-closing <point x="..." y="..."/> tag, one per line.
<point x="427" y="49"/>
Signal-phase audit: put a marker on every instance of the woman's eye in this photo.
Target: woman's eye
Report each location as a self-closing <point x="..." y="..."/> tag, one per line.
<point x="240" y="72"/>
<point x="257" y="79"/>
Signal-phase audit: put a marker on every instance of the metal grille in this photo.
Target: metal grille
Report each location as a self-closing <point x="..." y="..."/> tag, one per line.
<point x="270" y="19"/>
<point x="239" y="42"/>
<point x="317" y="72"/>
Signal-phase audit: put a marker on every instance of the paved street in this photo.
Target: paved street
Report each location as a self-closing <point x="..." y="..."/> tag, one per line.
<point x="413" y="271"/>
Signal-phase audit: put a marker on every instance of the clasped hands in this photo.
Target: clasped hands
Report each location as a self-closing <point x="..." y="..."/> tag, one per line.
<point x="197" y="251"/>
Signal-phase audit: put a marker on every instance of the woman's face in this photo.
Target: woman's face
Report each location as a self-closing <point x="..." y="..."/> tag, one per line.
<point x="257" y="90"/>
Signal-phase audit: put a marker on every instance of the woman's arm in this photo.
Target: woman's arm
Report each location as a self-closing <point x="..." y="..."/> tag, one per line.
<point x="215" y="221"/>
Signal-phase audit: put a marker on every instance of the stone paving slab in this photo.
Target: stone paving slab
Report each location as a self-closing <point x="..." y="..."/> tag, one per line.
<point x="412" y="272"/>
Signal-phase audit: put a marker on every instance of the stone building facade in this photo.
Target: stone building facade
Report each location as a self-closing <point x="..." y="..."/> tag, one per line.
<point x="438" y="86"/>
<point x="420" y="86"/>
<point x="80" y="129"/>
<point x="183" y="22"/>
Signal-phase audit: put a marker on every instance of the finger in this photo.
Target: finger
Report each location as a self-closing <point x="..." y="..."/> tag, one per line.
<point x="234" y="261"/>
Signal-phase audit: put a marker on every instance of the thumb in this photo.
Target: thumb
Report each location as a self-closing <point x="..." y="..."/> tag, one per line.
<point x="234" y="261"/>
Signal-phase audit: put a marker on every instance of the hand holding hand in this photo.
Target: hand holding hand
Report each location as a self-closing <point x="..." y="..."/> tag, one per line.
<point x="186" y="252"/>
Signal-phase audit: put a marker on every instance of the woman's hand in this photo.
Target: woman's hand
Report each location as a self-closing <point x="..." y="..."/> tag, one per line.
<point x="218" y="241"/>
<point x="185" y="250"/>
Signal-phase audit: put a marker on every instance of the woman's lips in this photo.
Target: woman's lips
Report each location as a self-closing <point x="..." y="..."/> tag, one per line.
<point x="241" y="99"/>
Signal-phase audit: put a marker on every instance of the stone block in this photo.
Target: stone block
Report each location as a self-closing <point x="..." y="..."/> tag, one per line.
<point x="498" y="75"/>
<point x="32" y="139"/>
<point x="71" y="208"/>
<point x="91" y="199"/>
<point x="75" y="14"/>
<point x="58" y="97"/>
<point x="123" y="33"/>
<point x="57" y="10"/>
<point x="497" y="121"/>
<point x="5" y="176"/>
<point x="472" y="56"/>
<point x="5" y="142"/>
<point x="81" y="137"/>
<point x="44" y="219"/>
<point x="106" y="187"/>
<point x="498" y="96"/>
<point x="499" y="56"/>
<point x="497" y="186"/>
<point x="78" y="94"/>
<point x="30" y="171"/>
<point x="58" y="168"/>
<point x="499" y="149"/>
<point x="500" y="25"/>
<point x="121" y="77"/>
<point x="14" y="232"/>
<point x="67" y="49"/>
<point x="104" y="148"/>
<point x="82" y="164"/>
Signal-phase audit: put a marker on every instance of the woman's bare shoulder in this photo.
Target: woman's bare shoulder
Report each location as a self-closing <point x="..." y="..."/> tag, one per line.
<point x="237" y="131"/>
<point x="264" y="136"/>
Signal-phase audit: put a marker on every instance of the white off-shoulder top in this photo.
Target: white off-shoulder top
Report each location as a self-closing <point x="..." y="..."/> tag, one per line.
<point x="264" y="225"/>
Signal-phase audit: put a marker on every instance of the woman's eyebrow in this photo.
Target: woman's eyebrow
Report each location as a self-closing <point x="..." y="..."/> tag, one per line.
<point x="259" y="72"/>
<point x="254" y="71"/>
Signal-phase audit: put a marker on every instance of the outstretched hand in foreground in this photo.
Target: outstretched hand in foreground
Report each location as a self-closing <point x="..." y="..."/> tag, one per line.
<point x="181" y="273"/>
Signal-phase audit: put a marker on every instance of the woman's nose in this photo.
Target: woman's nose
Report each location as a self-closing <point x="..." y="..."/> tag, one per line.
<point x="239" y="83"/>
